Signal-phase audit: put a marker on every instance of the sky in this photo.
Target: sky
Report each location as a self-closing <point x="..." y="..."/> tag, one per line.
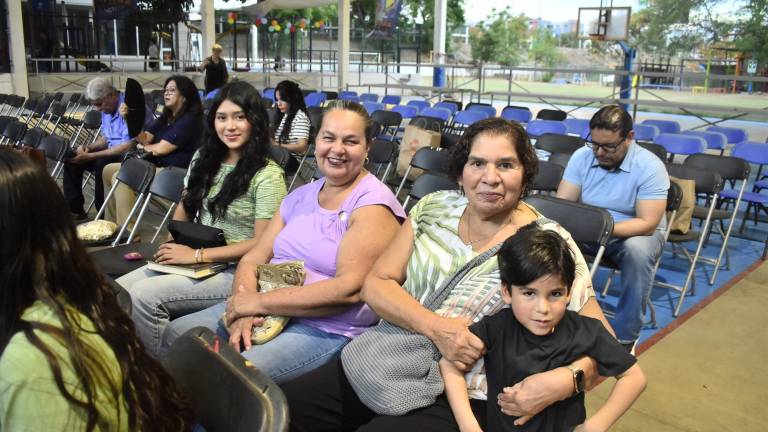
<point x="551" y="10"/>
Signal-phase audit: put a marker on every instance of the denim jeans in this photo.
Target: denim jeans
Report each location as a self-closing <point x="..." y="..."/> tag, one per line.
<point x="636" y="257"/>
<point x="298" y="349"/>
<point x="159" y="298"/>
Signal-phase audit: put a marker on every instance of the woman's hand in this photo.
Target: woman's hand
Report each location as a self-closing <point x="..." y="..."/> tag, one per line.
<point x="536" y="392"/>
<point x="457" y="344"/>
<point x="174" y="253"/>
<point x="242" y="303"/>
<point x="240" y="330"/>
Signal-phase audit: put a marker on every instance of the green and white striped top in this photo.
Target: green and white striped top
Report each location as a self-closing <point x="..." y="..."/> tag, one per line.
<point x="438" y="253"/>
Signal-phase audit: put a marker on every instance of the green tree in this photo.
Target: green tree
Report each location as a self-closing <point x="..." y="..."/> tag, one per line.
<point x="751" y="36"/>
<point x="426" y="8"/>
<point x="544" y="48"/>
<point x="502" y="41"/>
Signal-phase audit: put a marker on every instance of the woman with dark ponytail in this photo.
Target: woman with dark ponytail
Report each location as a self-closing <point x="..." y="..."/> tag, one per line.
<point x="69" y="356"/>
<point x="292" y="131"/>
<point x="232" y="185"/>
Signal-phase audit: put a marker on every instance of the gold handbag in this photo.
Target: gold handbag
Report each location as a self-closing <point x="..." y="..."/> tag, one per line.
<point x="272" y="277"/>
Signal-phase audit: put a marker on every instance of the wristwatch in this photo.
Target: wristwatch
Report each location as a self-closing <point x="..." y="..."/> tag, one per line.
<point x="578" y="379"/>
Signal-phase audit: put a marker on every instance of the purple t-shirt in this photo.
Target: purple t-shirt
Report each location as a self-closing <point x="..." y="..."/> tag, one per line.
<point x="313" y="234"/>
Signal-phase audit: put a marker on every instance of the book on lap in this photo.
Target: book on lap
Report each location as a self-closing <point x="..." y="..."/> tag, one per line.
<point x="194" y="271"/>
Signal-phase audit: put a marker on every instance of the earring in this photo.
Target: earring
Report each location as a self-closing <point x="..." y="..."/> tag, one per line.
<point x="367" y="160"/>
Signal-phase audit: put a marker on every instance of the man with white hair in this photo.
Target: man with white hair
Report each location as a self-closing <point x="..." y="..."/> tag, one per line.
<point x="113" y="141"/>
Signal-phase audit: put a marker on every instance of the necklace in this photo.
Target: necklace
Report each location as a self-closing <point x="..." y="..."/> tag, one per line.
<point x="471" y="242"/>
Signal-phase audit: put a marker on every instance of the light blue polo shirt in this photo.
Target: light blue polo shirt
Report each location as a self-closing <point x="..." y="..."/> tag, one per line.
<point x="113" y="126"/>
<point x="641" y="176"/>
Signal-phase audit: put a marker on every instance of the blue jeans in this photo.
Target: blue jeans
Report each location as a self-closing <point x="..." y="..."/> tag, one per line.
<point x="635" y="257"/>
<point x="298" y="349"/>
<point x="159" y="298"/>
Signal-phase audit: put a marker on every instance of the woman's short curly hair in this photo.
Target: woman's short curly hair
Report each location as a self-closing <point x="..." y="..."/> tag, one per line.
<point x="459" y="154"/>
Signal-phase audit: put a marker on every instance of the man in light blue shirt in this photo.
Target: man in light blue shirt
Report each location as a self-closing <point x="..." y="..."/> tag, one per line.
<point x="630" y="182"/>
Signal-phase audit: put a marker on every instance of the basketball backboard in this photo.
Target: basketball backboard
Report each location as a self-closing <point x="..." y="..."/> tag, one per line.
<point x="603" y="23"/>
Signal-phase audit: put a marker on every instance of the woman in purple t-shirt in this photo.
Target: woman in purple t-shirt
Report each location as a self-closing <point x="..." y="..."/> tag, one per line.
<point x="337" y="226"/>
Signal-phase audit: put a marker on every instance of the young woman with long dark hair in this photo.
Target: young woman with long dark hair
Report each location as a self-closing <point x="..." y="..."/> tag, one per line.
<point x="292" y="131"/>
<point x="232" y="185"/>
<point x="69" y="357"/>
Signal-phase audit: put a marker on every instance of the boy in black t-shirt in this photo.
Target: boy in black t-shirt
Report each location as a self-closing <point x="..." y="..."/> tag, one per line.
<point x="538" y="334"/>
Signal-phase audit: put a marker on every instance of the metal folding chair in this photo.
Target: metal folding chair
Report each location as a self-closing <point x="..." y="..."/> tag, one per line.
<point x="427" y="183"/>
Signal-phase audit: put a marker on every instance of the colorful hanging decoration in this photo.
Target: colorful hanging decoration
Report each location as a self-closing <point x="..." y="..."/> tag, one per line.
<point x="286" y="27"/>
<point x="231" y="17"/>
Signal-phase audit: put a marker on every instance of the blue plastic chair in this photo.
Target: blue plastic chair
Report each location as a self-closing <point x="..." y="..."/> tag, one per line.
<point x="715" y="140"/>
<point x="491" y="111"/>
<point x="419" y="104"/>
<point x="447" y="105"/>
<point x="406" y="111"/>
<point x="373" y="106"/>
<point x="755" y="153"/>
<point x="269" y="93"/>
<point x="576" y="126"/>
<point x="734" y="135"/>
<point x="515" y="114"/>
<point x="349" y="95"/>
<point x="540" y="127"/>
<point x="645" y="132"/>
<point x="391" y="100"/>
<point x="369" y="97"/>
<point x="665" y="126"/>
<point x="436" y="112"/>
<point x="464" y="119"/>
<point x="315" y="99"/>
<point x="681" y="144"/>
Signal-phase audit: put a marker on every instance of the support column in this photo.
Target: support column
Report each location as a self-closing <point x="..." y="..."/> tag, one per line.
<point x="208" y="27"/>
<point x="254" y="45"/>
<point x="16" y="45"/>
<point x="438" y="42"/>
<point x="345" y="23"/>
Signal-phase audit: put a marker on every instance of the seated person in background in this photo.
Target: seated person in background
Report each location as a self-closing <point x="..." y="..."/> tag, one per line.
<point x="614" y="173"/>
<point x="109" y="147"/>
<point x="292" y="131"/>
<point x="69" y="357"/>
<point x="338" y="226"/>
<point x="537" y="334"/>
<point x="232" y="185"/>
<point x="170" y="140"/>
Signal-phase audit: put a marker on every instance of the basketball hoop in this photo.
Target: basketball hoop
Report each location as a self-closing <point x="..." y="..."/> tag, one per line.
<point x="604" y="23"/>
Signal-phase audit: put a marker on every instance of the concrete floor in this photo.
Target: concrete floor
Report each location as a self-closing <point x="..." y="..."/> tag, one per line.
<point x="709" y="374"/>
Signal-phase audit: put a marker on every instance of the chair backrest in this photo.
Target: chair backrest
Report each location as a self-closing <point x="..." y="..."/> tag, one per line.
<point x="387" y="119"/>
<point x="382" y="151"/>
<point x="219" y="382"/>
<point x="664" y="126"/>
<point x="550" y="114"/>
<point x="576" y="126"/>
<point x="548" y="176"/>
<point x="674" y="197"/>
<point x="733" y="135"/>
<point x="268" y="93"/>
<point x="436" y="112"/>
<point x="169" y="183"/>
<point x="555" y="143"/>
<point x="714" y="140"/>
<point x="372" y="107"/>
<point x="305" y="92"/>
<point x="536" y="128"/>
<point x="486" y="108"/>
<point x="315" y="115"/>
<point x="391" y="99"/>
<point x="15" y="131"/>
<point x="331" y="95"/>
<point x="656" y="149"/>
<point x="58" y="109"/>
<point x="348" y="95"/>
<point x="33" y="137"/>
<point x="92" y="120"/>
<point x="449" y="105"/>
<point x="427" y="183"/>
<point x="707" y="181"/>
<point x="429" y="159"/>
<point x="585" y="223"/>
<point x="280" y="155"/>
<point x="449" y="140"/>
<point x="406" y="111"/>
<point x="516" y="114"/>
<point x="681" y="144"/>
<point x="469" y="117"/>
<point x="54" y="147"/>
<point x="645" y="132"/>
<point x="429" y="123"/>
<point x="419" y="104"/>
<point x="560" y="158"/>
<point x="750" y="151"/>
<point x="369" y="97"/>
<point x="314" y="99"/>
<point x="136" y="173"/>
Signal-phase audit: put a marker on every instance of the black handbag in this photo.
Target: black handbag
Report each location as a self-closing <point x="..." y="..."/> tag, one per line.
<point x="196" y="235"/>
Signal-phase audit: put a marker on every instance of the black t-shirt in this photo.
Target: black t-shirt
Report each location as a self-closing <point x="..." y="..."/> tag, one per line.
<point x="215" y="75"/>
<point x="514" y="353"/>
<point x="185" y="133"/>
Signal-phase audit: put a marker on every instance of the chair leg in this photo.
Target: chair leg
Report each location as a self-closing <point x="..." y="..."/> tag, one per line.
<point x="608" y="283"/>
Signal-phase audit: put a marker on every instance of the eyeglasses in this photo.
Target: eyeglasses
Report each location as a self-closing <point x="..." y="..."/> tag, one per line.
<point x="608" y="148"/>
<point x="171" y="91"/>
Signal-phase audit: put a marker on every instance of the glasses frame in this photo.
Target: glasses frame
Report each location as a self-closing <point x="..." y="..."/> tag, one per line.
<point x="608" y="148"/>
